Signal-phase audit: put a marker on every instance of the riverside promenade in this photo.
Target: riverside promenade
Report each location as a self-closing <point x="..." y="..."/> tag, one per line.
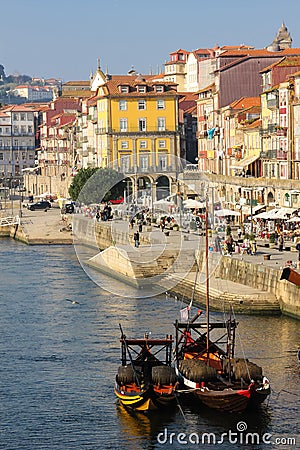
<point x="249" y="282"/>
<point x="38" y="227"/>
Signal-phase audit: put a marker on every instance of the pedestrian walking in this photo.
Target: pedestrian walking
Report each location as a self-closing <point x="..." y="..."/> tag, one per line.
<point x="239" y="233"/>
<point x="136" y="238"/>
<point x="280" y="243"/>
<point x="230" y="244"/>
<point x="218" y="244"/>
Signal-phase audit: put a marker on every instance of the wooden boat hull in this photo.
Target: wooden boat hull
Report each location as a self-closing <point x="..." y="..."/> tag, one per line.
<point x="150" y="399"/>
<point x="226" y="399"/>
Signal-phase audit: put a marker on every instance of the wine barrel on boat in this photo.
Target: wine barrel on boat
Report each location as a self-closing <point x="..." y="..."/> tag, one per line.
<point x="196" y="370"/>
<point x="125" y="375"/>
<point x="243" y="369"/>
<point x="163" y="375"/>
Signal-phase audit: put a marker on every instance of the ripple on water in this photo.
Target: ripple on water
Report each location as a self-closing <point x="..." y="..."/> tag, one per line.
<point x="58" y="360"/>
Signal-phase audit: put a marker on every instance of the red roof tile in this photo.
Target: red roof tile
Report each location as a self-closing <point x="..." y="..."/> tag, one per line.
<point x="245" y="102"/>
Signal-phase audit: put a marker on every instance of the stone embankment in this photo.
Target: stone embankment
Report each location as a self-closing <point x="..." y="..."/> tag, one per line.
<point x="251" y="283"/>
<point x="39" y="227"/>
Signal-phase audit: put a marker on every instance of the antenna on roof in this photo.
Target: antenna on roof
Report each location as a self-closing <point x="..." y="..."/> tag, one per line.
<point x="98" y="63"/>
<point x="132" y="71"/>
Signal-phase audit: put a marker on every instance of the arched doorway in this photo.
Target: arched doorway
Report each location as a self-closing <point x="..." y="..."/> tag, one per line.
<point x="144" y="191"/>
<point x="270" y="198"/>
<point x="162" y="187"/>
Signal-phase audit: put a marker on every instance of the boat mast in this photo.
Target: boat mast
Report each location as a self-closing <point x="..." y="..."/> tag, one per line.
<point x="207" y="275"/>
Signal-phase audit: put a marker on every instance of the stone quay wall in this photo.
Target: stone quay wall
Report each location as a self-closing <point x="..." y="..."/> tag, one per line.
<point x="255" y="275"/>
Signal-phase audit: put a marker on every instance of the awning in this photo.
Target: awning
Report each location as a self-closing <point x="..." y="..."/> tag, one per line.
<point x="30" y="169"/>
<point x="276" y="213"/>
<point x="244" y="162"/>
<point x="255" y="209"/>
<point x="226" y="212"/>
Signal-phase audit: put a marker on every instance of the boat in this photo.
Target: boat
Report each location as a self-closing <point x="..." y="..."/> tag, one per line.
<point x="146" y="381"/>
<point x="208" y="368"/>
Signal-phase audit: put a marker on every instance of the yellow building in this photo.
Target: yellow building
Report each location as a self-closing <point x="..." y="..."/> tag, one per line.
<point x="138" y="129"/>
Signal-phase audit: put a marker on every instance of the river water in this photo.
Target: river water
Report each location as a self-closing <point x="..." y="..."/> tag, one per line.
<point x="58" y="361"/>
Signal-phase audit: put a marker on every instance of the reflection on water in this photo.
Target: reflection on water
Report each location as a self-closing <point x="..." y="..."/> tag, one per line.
<point x="58" y="361"/>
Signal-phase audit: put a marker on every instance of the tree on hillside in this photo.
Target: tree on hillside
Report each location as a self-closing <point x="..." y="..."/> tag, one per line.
<point x="94" y="185"/>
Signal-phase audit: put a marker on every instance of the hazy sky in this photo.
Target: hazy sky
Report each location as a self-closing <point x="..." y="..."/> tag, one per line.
<point x="64" y="38"/>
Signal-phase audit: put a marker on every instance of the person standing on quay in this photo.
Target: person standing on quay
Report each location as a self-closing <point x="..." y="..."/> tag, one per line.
<point x="136" y="238"/>
<point x="280" y="243"/>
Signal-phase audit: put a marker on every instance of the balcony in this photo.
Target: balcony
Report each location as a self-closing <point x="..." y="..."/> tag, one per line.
<point x="281" y="131"/>
<point x="272" y="154"/>
<point x="281" y="155"/>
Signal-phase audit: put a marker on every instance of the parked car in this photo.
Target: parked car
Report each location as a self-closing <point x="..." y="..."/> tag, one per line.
<point x="116" y="201"/>
<point x="43" y="204"/>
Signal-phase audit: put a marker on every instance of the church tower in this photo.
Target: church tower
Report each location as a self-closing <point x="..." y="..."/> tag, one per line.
<point x="282" y="40"/>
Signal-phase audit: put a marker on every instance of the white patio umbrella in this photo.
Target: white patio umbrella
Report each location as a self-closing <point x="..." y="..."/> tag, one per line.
<point x="191" y="203"/>
<point x="226" y="212"/>
<point x="294" y="219"/>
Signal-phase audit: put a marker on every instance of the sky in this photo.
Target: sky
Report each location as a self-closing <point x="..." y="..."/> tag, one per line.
<point x="64" y="38"/>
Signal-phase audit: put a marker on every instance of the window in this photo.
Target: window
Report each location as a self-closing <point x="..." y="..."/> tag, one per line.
<point x="15" y="117"/>
<point x="122" y="105"/>
<point x="161" y="144"/>
<point x="143" y="162"/>
<point x="143" y="144"/>
<point x="141" y="88"/>
<point x="23" y="129"/>
<point x="23" y="155"/>
<point x="23" y="116"/>
<point x="159" y="88"/>
<point x="161" y="124"/>
<point x="29" y="129"/>
<point x="31" y="156"/>
<point x="142" y="125"/>
<point x="1" y="157"/>
<point x="124" y="144"/>
<point x="124" y="89"/>
<point x="142" y="104"/>
<point x="125" y="163"/>
<point x="160" y="104"/>
<point x="0" y="130"/>
<point x="16" y="130"/>
<point x="123" y="125"/>
<point x="162" y="162"/>
<point x="1" y="142"/>
<point x="16" y="142"/>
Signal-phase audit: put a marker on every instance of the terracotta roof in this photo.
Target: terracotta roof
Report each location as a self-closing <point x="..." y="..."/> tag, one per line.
<point x="132" y="81"/>
<point x="255" y="124"/>
<point x="180" y="51"/>
<point x="76" y="93"/>
<point x="237" y="47"/>
<point x="77" y="83"/>
<point x="187" y="102"/>
<point x="286" y="61"/>
<point x="207" y="88"/>
<point x="245" y="102"/>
